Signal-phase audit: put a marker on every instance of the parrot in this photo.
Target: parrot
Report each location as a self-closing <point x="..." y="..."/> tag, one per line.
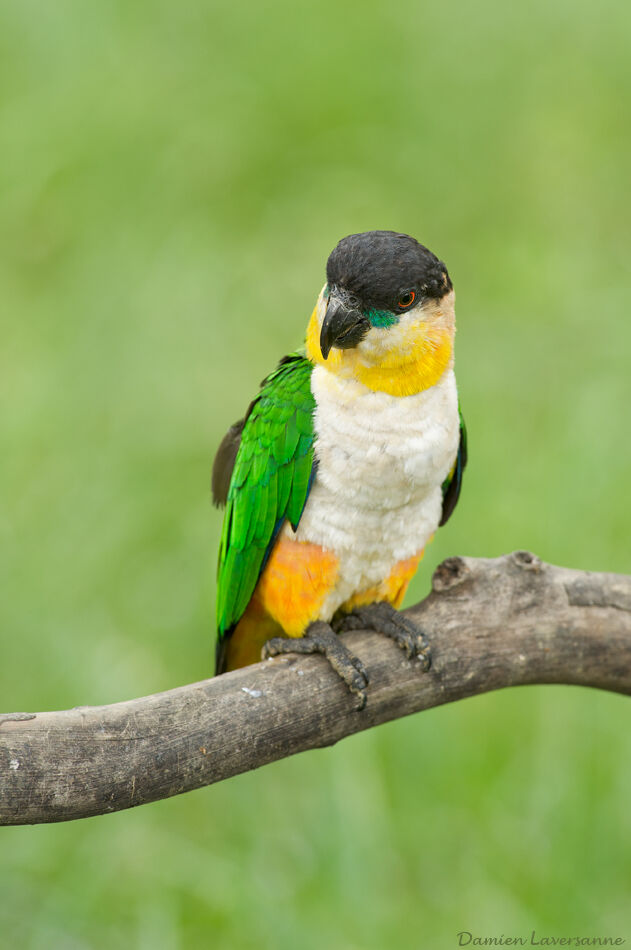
<point x="344" y="465"/>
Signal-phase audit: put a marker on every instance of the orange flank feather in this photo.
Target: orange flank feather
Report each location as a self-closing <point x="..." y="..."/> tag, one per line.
<point x="392" y="589"/>
<point x="290" y="593"/>
<point x="288" y="597"/>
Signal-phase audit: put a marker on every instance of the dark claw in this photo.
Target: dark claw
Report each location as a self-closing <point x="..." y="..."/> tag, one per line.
<point x="321" y="638"/>
<point x="383" y="618"/>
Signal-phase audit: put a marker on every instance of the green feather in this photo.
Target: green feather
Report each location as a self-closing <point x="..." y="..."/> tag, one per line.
<point x="302" y="471"/>
<point x="284" y="486"/>
<point x="291" y="437"/>
<point x="260" y="465"/>
<point x="269" y="483"/>
<point x="453" y="483"/>
<point x="382" y="318"/>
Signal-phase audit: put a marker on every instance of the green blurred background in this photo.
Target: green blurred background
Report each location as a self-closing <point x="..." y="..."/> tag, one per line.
<point x="172" y="178"/>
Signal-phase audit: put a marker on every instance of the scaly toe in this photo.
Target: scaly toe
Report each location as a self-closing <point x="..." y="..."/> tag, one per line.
<point x="274" y="647"/>
<point x="320" y="638"/>
<point x="383" y="618"/>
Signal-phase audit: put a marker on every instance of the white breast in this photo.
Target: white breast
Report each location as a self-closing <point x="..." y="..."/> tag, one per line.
<point x="382" y="459"/>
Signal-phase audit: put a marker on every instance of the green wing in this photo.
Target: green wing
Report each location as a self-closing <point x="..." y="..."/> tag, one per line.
<point x="453" y="482"/>
<point x="263" y="471"/>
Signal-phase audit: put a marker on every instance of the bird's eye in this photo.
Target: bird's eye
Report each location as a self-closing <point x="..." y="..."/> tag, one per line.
<point x="406" y="300"/>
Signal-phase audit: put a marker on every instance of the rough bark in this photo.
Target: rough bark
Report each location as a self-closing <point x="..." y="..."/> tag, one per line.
<point x="491" y="623"/>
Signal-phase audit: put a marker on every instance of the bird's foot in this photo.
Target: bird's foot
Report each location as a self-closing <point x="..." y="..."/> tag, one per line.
<point x="382" y="617"/>
<point x="320" y="637"/>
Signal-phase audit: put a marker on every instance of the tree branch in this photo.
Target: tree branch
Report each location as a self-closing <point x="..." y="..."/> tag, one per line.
<point x="491" y="623"/>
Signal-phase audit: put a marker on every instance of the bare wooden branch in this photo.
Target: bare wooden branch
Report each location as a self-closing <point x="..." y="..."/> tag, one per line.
<point x="492" y="623"/>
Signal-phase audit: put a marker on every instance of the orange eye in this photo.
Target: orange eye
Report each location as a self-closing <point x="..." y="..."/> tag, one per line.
<point x="407" y="299"/>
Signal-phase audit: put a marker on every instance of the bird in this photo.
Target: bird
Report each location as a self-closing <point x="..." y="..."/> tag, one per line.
<point x="343" y="466"/>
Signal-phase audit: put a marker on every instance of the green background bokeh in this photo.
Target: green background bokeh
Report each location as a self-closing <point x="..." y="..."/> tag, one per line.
<point x="172" y="179"/>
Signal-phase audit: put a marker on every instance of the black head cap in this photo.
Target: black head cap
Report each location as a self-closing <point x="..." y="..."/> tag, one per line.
<point x="376" y="266"/>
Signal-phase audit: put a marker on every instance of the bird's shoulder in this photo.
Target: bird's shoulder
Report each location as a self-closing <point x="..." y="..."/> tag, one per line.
<point x="284" y="397"/>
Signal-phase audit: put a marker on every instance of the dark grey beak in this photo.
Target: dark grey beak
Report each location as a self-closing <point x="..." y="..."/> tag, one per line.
<point x="342" y="327"/>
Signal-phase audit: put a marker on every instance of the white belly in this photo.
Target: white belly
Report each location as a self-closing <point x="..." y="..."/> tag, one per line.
<point x="376" y="497"/>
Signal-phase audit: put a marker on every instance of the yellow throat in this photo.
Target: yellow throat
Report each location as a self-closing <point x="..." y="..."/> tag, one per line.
<point x="401" y="360"/>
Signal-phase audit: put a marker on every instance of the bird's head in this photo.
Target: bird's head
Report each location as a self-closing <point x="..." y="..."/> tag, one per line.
<point x="385" y="316"/>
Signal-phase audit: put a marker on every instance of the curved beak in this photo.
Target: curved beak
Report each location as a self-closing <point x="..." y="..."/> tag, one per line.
<point x="342" y="327"/>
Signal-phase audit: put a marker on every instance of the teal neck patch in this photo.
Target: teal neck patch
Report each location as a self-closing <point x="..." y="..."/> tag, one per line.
<point x="381" y="318"/>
